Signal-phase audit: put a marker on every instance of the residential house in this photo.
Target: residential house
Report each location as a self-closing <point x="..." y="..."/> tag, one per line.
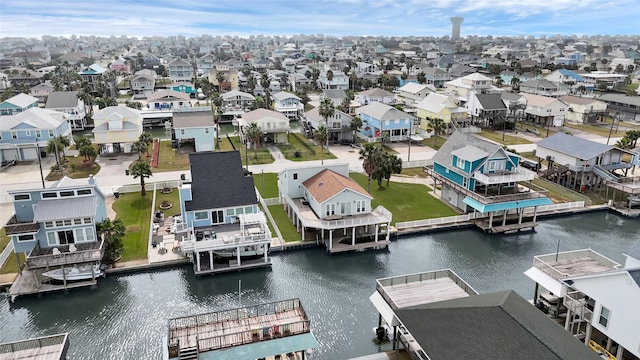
<point x="17" y="104"/>
<point x="436" y="77"/>
<point x="196" y="127"/>
<point x="56" y="227"/>
<point x="376" y="95"/>
<point x="339" y="81"/>
<point x="288" y="104"/>
<point x="222" y="222"/>
<point x="593" y="79"/>
<point x="41" y="91"/>
<point x="121" y="66"/>
<point x="24" y="136"/>
<point x="543" y="110"/>
<point x="567" y="77"/>
<point x="168" y="99"/>
<point x="142" y="85"/>
<point x="299" y="81"/>
<point x="580" y="163"/>
<point x="413" y="93"/>
<point x="67" y="102"/>
<point x="92" y="74"/>
<point x="442" y="107"/>
<point x="116" y="129"/>
<point x="151" y="61"/>
<point x="338" y="125"/>
<point x="230" y="80"/>
<point x="180" y="71"/>
<point x="464" y="86"/>
<point x="336" y="96"/>
<point x="544" y="87"/>
<point x="381" y="120"/>
<point x="274" y="125"/>
<point x="28" y="77"/>
<point x="477" y="175"/>
<point x="205" y="63"/>
<point x="365" y="67"/>
<point x="459" y="70"/>
<point x="584" y="110"/>
<point x="235" y="99"/>
<point x="184" y="87"/>
<point x="507" y="76"/>
<point x="489" y="107"/>
<point x="622" y="107"/>
<point x="326" y="204"/>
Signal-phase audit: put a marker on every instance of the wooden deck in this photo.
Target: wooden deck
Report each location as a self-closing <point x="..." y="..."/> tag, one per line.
<point x="27" y="283"/>
<point x="580" y="266"/>
<point x="508" y="228"/>
<point x="44" y="348"/>
<point x="424" y="292"/>
<point x="338" y="247"/>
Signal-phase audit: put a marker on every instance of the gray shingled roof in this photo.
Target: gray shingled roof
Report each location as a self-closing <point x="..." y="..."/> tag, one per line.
<point x="635" y="275"/>
<point x="62" y="99"/>
<point x="574" y="146"/>
<point x="491" y="101"/>
<point x="459" y="140"/>
<point x="219" y="181"/>
<point x="621" y="98"/>
<point x="192" y="120"/>
<point x="497" y="326"/>
<point x="334" y="94"/>
<point x="469" y="153"/>
<point x="48" y="210"/>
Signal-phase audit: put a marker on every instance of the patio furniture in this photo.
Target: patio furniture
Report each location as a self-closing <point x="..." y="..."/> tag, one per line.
<point x="72" y="248"/>
<point x="56" y="252"/>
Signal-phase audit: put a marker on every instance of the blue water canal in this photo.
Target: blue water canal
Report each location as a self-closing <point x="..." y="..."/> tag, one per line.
<point x="126" y="317"/>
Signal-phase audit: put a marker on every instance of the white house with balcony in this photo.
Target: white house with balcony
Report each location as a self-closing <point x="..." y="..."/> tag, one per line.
<point x="339" y="81"/>
<point x="376" y="95"/>
<point x="235" y="99"/>
<point x="67" y="102"/>
<point x="116" y="129"/>
<point x="288" y="104"/>
<point x="326" y="205"/>
<point x="543" y="110"/>
<point x="338" y="125"/>
<point x="464" y="86"/>
<point x="274" y="125"/>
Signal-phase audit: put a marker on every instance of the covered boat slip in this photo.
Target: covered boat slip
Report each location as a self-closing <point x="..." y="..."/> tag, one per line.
<point x="506" y="222"/>
<point x="31" y="282"/>
<point x="244" y="333"/>
<point x="44" y="348"/>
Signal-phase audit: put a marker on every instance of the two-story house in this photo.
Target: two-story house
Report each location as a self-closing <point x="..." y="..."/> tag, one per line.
<point x="544" y="87"/>
<point x="67" y="102"/>
<point x="413" y="93"/>
<point x="235" y="99"/>
<point x="17" y="104"/>
<point x="168" y="99"/>
<point x="274" y="125"/>
<point x="336" y="96"/>
<point x="196" y="127"/>
<point x="121" y="66"/>
<point x="488" y="107"/>
<point x="338" y="125"/>
<point x="324" y="203"/>
<point x="91" y="74"/>
<point x="543" y="110"/>
<point x="583" y="110"/>
<point x="477" y="175"/>
<point x="338" y="81"/>
<point x="41" y="91"/>
<point x="24" y="136"/>
<point x="464" y="86"/>
<point x="116" y="129"/>
<point x="376" y="95"/>
<point x="180" y="71"/>
<point x="567" y="77"/>
<point x="288" y="104"/>
<point x="223" y="230"/>
<point x="441" y="107"/>
<point x="626" y="108"/>
<point x="383" y="121"/>
<point x="55" y="227"/>
<point x="142" y="84"/>
<point x="436" y="77"/>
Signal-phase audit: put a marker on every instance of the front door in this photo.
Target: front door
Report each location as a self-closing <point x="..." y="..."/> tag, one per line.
<point x="65" y="237"/>
<point x="217" y="217"/>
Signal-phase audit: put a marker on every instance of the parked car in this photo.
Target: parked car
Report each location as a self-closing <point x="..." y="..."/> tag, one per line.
<point x="531" y="165"/>
<point x="356" y="145"/>
<point x="533" y="130"/>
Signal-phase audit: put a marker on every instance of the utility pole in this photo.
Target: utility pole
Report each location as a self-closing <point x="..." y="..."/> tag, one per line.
<point x="611" y="129"/>
<point x="410" y="127"/>
<point x="40" y="164"/>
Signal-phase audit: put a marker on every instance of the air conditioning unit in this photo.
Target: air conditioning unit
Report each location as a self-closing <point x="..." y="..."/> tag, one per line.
<point x="549" y="158"/>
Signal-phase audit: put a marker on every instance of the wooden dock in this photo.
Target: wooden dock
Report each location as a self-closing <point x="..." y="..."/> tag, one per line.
<point x="505" y="229"/>
<point x="339" y="247"/>
<point x="44" y="348"/>
<point x="28" y="283"/>
<point x="233" y="266"/>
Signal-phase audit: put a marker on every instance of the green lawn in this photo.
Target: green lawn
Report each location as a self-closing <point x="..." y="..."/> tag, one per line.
<point x="11" y="265"/>
<point x="297" y="145"/>
<point x="508" y="139"/>
<point x="169" y="159"/>
<point x="429" y="142"/>
<point x="285" y="225"/>
<point x="270" y="184"/>
<point x="627" y="87"/>
<point x="76" y="168"/>
<point x="4" y="239"/>
<point x="602" y="128"/>
<point x="417" y="171"/>
<point x="173" y="198"/>
<point x="558" y="193"/>
<point x="135" y="212"/>
<point x="406" y="201"/>
<point x="264" y="157"/>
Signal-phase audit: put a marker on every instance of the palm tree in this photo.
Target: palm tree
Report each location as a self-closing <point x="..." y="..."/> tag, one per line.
<point x="220" y="79"/>
<point x="111" y="233"/>
<point x="437" y="126"/>
<point x="394" y="165"/>
<point x="327" y="110"/>
<point x="81" y="141"/>
<point x="54" y="146"/>
<point x="88" y="151"/>
<point x="369" y="154"/>
<point x="321" y="135"/>
<point x="141" y="170"/>
<point x="515" y="84"/>
<point x="265" y="82"/>
<point x="356" y="124"/>
<point x="329" y="77"/>
<point x="254" y="134"/>
<point x="139" y="147"/>
<point x="147" y="140"/>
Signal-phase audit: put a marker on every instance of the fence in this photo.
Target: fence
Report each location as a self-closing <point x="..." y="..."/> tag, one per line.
<point x="272" y="201"/>
<point x="110" y="190"/>
<point x="6" y="253"/>
<point x="417" y="163"/>
<point x="265" y="207"/>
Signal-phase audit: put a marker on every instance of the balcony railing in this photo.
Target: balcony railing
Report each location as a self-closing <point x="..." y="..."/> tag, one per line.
<point x="86" y="252"/>
<point x="577" y="303"/>
<point x="505" y="176"/>
<point x="544" y="262"/>
<point x="224" y="242"/>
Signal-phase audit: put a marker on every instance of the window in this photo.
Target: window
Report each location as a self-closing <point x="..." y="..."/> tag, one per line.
<point x="217" y="217"/>
<point x="67" y="193"/>
<point x="605" y="314"/>
<point x="239" y="211"/>
<point x="230" y="212"/>
<point x="202" y="215"/>
<point x="51" y="238"/>
<point x="29" y="237"/>
<point x="48" y="224"/>
<point x="206" y="130"/>
<point x="492" y="165"/>
<point x="77" y="221"/>
<point x="14" y="135"/>
<point x="295" y="176"/>
<point x="49" y="195"/>
<point x="360" y="206"/>
<point x="67" y="222"/>
<point x="87" y="220"/>
<point x="50" y="133"/>
<point x="59" y="223"/>
<point x="248" y="210"/>
<point x="465" y="182"/>
<point x="38" y="134"/>
<point x="460" y="163"/>
<point x="181" y="131"/>
<point x="21" y="197"/>
<point x="84" y="192"/>
<point x="80" y="235"/>
<point x="28" y="132"/>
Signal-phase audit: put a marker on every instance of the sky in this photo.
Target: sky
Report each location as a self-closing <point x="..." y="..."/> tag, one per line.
<point x="33" y="18"/>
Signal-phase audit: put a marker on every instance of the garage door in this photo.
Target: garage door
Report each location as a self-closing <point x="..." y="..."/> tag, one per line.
<point x="30" y="154"/>
<point x="205" y="147"/>
<point x="10" y="154"/>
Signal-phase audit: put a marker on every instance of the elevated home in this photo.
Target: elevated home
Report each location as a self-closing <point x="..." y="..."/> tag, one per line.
<point x="567" y="77"/>
<point x="67" y="102"/>
<point x="92" y="74"/>
<point x="487" y="107"/>
<point x="626" y="108"/>
<point x="441" y="107"/>
<point x="382" y="120"/>
<point x="598" y="295"/>
<point x="594" y="78"/>
<point x="336" y="96"/>
<point x="464" y="86"/>
<point x="196" y="127"/>
<point x="230" y="78"/>
<point x="543" y="110"/>
<point x="235" y="99"/>
<point x="168" y="99"/>
<point x="583" y="110"/>
<point x="18" y="103"/>
<point x="142" y="84"/>
<point x="41" y="91"/>
<point x="179" y="71"/>
<point x="325" y="204"/>
<point x="339" y="81"/>
<point x="425" y="313"/>
<point x="436" y="77"/>
<point x="274" y="125"/>
<point x="55" y="227"/>
<point x="579" y="163"/>
<point x="116" y="129"/>
<point x="338" y="125"/>
<point x="288" y="104"/>
<point x="223" y="228"/>
<point x="376" y="95"/>
<point x="544" y="87"/>
<point x="24" y="136"/>
<point x="480" y="176"/>
<point x="413" y="93"/>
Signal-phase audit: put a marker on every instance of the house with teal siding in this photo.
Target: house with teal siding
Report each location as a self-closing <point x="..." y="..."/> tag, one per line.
<point x="477" y="175"/>
<point x="17" y="104"/>
<point x="185" y="87"/>
<point x="197" y="128"/>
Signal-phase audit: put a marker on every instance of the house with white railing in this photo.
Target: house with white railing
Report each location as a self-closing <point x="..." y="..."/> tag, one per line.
<point x="326" y="205"/>
<point x="477" y="175"/>
<point x="274" y="125"/>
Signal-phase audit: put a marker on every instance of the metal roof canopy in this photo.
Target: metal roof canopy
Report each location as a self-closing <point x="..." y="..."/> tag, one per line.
<point x="252" y="219"/>
<point x="65" y="208"/>
<point x="263" y="349"/>
<point x="507" y="205"/>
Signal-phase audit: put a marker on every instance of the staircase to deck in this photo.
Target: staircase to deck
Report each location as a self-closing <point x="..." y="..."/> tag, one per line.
<point x="190" y="353"/>
<point x="604" y="174"/>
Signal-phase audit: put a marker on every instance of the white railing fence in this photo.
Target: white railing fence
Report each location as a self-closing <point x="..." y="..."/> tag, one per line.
<point x="272" y="201"/>
<point x="417" y="163"/>
<point x="265" y="207"/>
<point x="130" y="188"/>
<point x="6" y="253"/>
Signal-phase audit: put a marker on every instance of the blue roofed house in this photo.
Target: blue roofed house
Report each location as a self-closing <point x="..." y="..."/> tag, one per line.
<point x="223" y="229"/>
<point x="477" y="175"/>
<point x="18" y="103"/>
<point x="380" y="119"/>
<point x="56" y="226"/>
<point x="196" y="127"/>
<point x="567" y="77"/>
<point x="24" y="135"/>
<point x="92" y="74"/>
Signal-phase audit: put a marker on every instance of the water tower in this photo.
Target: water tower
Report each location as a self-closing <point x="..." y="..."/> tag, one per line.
<point x="455" y="28"/>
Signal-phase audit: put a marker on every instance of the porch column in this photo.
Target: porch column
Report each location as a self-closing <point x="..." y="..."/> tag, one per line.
<point x="568" y="320"/>
<point x="609" y="343"/>
<point x="344" y="231"/>
<point x="197" y="261"/>
<point x="619" y="352"/>
<point x="297" y="225"/>
<point x="376" y="235"/>
<point x="535" y="213"/>
<point x="302" y="232"/>
<point x="322" y="234"/>
<point x="238" y="255"/>
<point x="388" y="230"/>
<point x="504" y="218"/>
<point x="265" y="248"/>
<point x="210" y="259"/>
<point x="330" y="239"/>
<point x="353" y="235"/>
<point x="520" y="216"/>
<point x="18" y="262"/>
<point x="490" y="219"/>
<point x="587" y="334"/>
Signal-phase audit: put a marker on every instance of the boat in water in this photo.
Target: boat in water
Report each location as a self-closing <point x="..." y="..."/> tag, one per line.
<point x="75" y="273"/>
<point x="246" y="253"/>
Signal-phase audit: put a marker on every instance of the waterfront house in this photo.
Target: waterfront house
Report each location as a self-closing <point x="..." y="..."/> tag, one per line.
<point x="488" y="107"/>
<point x="180" y="71"/>
<point x="274" y="125"/>
<point x="380" y="119"/>
<point x="584" y="110"/>
<point x="543" y="110"/>
<point x="197" y="128"/>
<point x="24" y="136"/>
<point x="376" y="95"/>
<point x="17" y="104"/>
<point x="440" y="106"/>
<point x="142" y="84"/>
<point x="595" y="295"/>
<point x="436" y="77"/>
<point x="288" y="104"/>
<point x="168" y="99"/>
<point x="338" y="125"/>
<point x="219" y="210"/>
<point x="67" y="102"/>
<point x="54" y="347"/>
<point x="41" y="91"/>
<point x="55" y="227"/>
<point x="91" y="74"/>
<point x="580" y="163"/>
<point x="477" y="175"/>
<point x="116" y="129"/>
<point x="336" y="96"/>
<point x="326" y="204"/>
<point x="235" y="99"/>
<point x="339" y="81"/>
<point x="567" y="77"/>
<point x="424" y="313"/>
<point x="464" y="86"/>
